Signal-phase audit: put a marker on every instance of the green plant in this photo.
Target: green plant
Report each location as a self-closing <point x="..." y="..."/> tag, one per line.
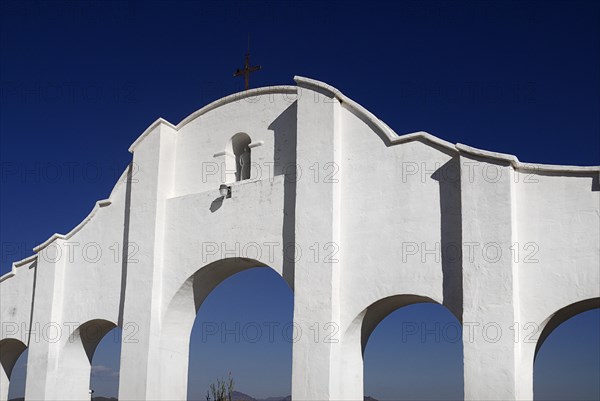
<point x="221" y="391"/>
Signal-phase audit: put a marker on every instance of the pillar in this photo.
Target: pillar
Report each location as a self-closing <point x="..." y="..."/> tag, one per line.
<point x="151" y="182"/>
<point x="494" y="364"/>
<point x="47" y="332"/>
<point x="316" y="361"/>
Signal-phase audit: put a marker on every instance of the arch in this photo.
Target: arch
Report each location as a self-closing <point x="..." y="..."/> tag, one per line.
<point x="351" y="383"/>
<point x="561" y="316"/>
<point x="560" y="379"/>
<point x="415" y="353"/>
<point x="178" y="320"/>
<point x="238" y="158"/>
<point x="78" y="351"/>
<point x="379" y="310"/>
<point x="244" y="328"/>
<point x="106" y="363"/>
<point x="10" y="351"/>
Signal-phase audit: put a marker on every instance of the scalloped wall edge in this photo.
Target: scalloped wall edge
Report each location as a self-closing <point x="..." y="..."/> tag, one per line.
<point x="99" y="204"/>
<point x="13" y="271"/>
<point x="365" y="115"/>
<point x="396" y="139"/>
<point x="266" y="90"/>
<point x="351" y="105"/>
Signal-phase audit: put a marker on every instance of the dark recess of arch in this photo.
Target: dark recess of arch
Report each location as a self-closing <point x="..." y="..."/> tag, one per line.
<point x="10" y="350"/>
<point x="380" y="309"/>
<point x="91" y="333"/>
<point x="562" y="315"/>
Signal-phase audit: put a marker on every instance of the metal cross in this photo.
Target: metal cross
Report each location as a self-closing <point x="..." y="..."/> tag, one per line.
<point x="246" y="71"/>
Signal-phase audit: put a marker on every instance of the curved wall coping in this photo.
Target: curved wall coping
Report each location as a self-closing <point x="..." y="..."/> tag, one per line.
<point x="156" y="123"/>
<point x="99" y="204"/>
<point x="395" y="139"/>
<point x="369" y="117"/>
<point x="28" y="260"/>
<point x="8" y="275"/>
<point x="267" y="90"/>
<point x="519" y="165"/>
<point x="392" y="137"/>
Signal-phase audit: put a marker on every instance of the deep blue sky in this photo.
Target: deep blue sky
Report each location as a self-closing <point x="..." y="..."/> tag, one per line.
<point x="81" y="80"/>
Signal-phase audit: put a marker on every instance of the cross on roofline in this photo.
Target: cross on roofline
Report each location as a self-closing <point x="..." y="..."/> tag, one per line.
<point x="246" y="71"/>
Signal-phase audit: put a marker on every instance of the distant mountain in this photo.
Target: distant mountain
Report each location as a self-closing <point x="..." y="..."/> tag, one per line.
<point x="288" y="398"/>
<point x="235" y="396"/>
<point x="239" y="396"/>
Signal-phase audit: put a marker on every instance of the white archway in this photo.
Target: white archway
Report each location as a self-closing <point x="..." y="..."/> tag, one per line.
<point x="179" y="318"/>
<point x="105" y="370"/>
<point x="415" y="353"/>
<point x="356" y="337"/>
<point x="244" y="328"/>
<point x="76" y="362"/>
<point x="554" y="387"/>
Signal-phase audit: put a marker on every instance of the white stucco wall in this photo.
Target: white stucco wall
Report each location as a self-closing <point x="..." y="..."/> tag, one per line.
<point x="558" y="216"/>
<point x="387" y="213"/>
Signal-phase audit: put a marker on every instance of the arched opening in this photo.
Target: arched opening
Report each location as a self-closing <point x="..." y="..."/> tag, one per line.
<point x="18" y="378"/>
<point x="242" y="328"/>
<point x="104" y="377"/>
<point x="76" y="362"/>
<point x="567" y="355"/>
<point x="13" y="361"/>
<point x="238" y="160"/>
<point x="412" y="350"/>
<point x="228" y="317"/>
